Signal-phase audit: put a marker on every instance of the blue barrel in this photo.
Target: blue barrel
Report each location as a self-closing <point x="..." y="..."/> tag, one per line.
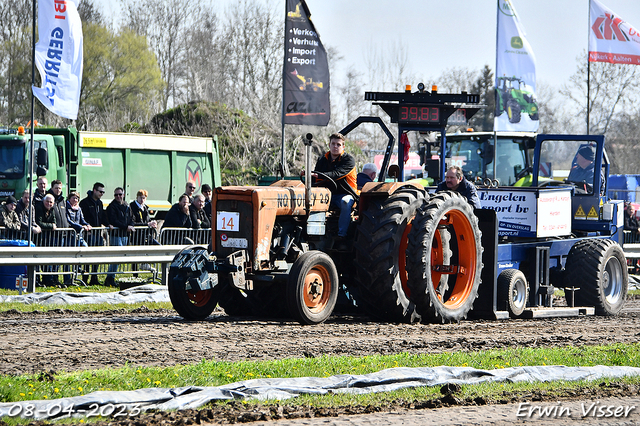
<point x="9" y="273"/>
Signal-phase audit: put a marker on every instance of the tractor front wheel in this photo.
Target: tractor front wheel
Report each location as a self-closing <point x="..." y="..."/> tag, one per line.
<point x="190" y="304"/>
<point x="312" y="288"/>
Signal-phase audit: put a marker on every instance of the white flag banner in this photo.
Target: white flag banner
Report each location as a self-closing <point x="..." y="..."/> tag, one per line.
<point x="59" y="56"/>
<point x="516" y="105"/>
<point x="611" y="39"/>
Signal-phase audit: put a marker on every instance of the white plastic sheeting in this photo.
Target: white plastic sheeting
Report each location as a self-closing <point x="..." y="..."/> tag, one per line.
<point x="143" y="293"/>
<point x="133" y="402"/>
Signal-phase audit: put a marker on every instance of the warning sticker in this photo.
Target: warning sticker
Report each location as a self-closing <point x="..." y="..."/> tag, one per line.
<point x="580" y="214"/>
<point x="593" y="214"/>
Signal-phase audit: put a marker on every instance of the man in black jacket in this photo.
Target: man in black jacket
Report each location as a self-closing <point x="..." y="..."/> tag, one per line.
<point x="60" y="204"/>
<point x="454" y="181"/>
<point x="120" y="224"/>
<point x="94" y="214"/>
<point x="179" y="215"/>
<point x="196" y="209"/>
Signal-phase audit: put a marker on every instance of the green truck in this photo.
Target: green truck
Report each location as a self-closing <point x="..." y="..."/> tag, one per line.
<point x="161" y="164"/>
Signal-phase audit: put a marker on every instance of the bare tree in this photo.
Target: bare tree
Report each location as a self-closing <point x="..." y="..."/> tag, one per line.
<point x="166" y="25"/>
<point x="612" y="88"/>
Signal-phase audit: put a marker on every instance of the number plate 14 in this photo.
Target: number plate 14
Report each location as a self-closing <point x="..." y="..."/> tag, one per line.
<point x="228" y="221"/>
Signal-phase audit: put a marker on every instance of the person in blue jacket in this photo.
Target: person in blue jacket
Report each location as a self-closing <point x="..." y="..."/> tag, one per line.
<point x="454" y="180"/>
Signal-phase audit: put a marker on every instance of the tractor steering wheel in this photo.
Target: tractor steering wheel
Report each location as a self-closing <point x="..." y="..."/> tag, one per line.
<point x="327" y="182"/>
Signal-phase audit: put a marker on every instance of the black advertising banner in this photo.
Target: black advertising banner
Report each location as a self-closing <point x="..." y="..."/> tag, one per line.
<point x="306" y="70"/>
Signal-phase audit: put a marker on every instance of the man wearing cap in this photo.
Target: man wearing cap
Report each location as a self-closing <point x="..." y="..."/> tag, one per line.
<point x="8" y="216"/>
<point x="583" y="170"/>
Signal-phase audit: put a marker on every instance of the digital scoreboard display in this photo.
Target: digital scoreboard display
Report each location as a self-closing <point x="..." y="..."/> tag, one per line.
<point x="418" y="114"/>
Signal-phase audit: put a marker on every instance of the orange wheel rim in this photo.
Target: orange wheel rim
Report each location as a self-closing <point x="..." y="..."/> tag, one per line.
<point x="317" y="288"/>
<point x="467" y="260"/>
<point x="437" y="258"/>
<point x="200" y="298"/>
<point x="402" y="259"/>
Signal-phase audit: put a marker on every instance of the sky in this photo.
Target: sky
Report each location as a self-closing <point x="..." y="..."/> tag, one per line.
<point x="440" y="35"/>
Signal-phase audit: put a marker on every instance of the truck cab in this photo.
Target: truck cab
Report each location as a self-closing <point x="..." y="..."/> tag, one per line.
<point x="500" y="157"/>
<point x="49" y="161"/>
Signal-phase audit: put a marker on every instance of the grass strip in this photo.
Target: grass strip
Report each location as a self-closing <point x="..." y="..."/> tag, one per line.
<point x="211" y="373"/>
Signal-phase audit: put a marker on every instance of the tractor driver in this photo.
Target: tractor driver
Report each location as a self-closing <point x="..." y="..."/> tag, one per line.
<point x="454" y="181"/>
<point x="582" y="172"/>
<point x="341" y="167"/>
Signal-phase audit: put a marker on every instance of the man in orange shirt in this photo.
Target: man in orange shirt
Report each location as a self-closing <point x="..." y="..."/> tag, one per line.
<point x="341" y="167"/>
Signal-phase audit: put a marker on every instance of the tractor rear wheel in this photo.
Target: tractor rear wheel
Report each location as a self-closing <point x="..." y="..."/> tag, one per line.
<point x="450" y="213"/>
<point x="191" y="305"/>
<point x="513" y="292"/>
<point x="381" y="254"/>
<point x="599" y="269"/>
<point x="312" y="288"/>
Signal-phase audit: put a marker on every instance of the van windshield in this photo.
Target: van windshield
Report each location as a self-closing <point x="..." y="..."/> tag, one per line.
<point x="12" y="160"/>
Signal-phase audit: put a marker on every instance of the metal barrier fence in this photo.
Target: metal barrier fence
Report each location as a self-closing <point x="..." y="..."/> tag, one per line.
<point x="102" y="237"/>
<point x="178" y="236"/>
<point x="631" y="237"/>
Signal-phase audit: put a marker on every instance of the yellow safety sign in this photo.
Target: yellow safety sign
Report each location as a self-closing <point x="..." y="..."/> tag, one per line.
<point x="593" y="214"/>
<point x="580" y="214"/>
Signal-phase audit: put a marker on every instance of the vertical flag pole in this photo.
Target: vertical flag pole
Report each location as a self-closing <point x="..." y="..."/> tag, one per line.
<point x="31" y="147"/>
<point x="588" y="67"/>
<point x="495" y="91"/>
<point x="284" y="67"/>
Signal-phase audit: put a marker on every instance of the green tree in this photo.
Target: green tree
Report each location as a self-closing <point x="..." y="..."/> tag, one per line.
<point x="15" y="67"/>
<point x="121" y="79"/>
<point x="485" y="87"/>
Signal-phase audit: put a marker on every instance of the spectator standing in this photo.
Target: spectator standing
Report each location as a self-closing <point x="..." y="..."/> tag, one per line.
<point x="46" y="220"/>
<point x="41" y="190"/>
<point x="197" y="212"/>
<point x="631" y="222"/>
<point x="60" y="205"/>
<point x="9" y="218"/>
<point x="454" y="180"/>
<point x="207" y="192"/>
<point x="189" y="189"/>
<point x="45" y="215"/>
<point x="23" y="202"/>
<point x="94" y="214"/>
<point x="120" y="223"/>
<point x="75" y="218"/>
<point x="179" y="215"/>
<point x="26" y="211"/>
<point x="141" y="216"/>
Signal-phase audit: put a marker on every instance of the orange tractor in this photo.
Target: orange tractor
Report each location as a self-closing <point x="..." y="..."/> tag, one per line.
<point x="274" y="250"/>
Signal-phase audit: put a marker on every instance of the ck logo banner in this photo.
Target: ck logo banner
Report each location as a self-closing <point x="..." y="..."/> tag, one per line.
<point x="611" y="39"/>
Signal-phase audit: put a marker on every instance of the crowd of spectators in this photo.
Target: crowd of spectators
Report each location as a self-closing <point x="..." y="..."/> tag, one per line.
<point x="48" y="210"/>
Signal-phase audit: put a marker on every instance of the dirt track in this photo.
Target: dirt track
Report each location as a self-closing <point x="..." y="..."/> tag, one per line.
<point x="62" y="340"/>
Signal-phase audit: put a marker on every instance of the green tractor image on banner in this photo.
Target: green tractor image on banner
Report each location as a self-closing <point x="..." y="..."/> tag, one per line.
<point x="514" y="100"/>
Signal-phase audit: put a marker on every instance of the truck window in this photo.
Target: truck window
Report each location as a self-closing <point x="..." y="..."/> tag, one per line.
<point x="472" y="156"/>
<point x="37" y="145"/>
<point x="511" y="161"/>
<point x="12" y="160"/>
